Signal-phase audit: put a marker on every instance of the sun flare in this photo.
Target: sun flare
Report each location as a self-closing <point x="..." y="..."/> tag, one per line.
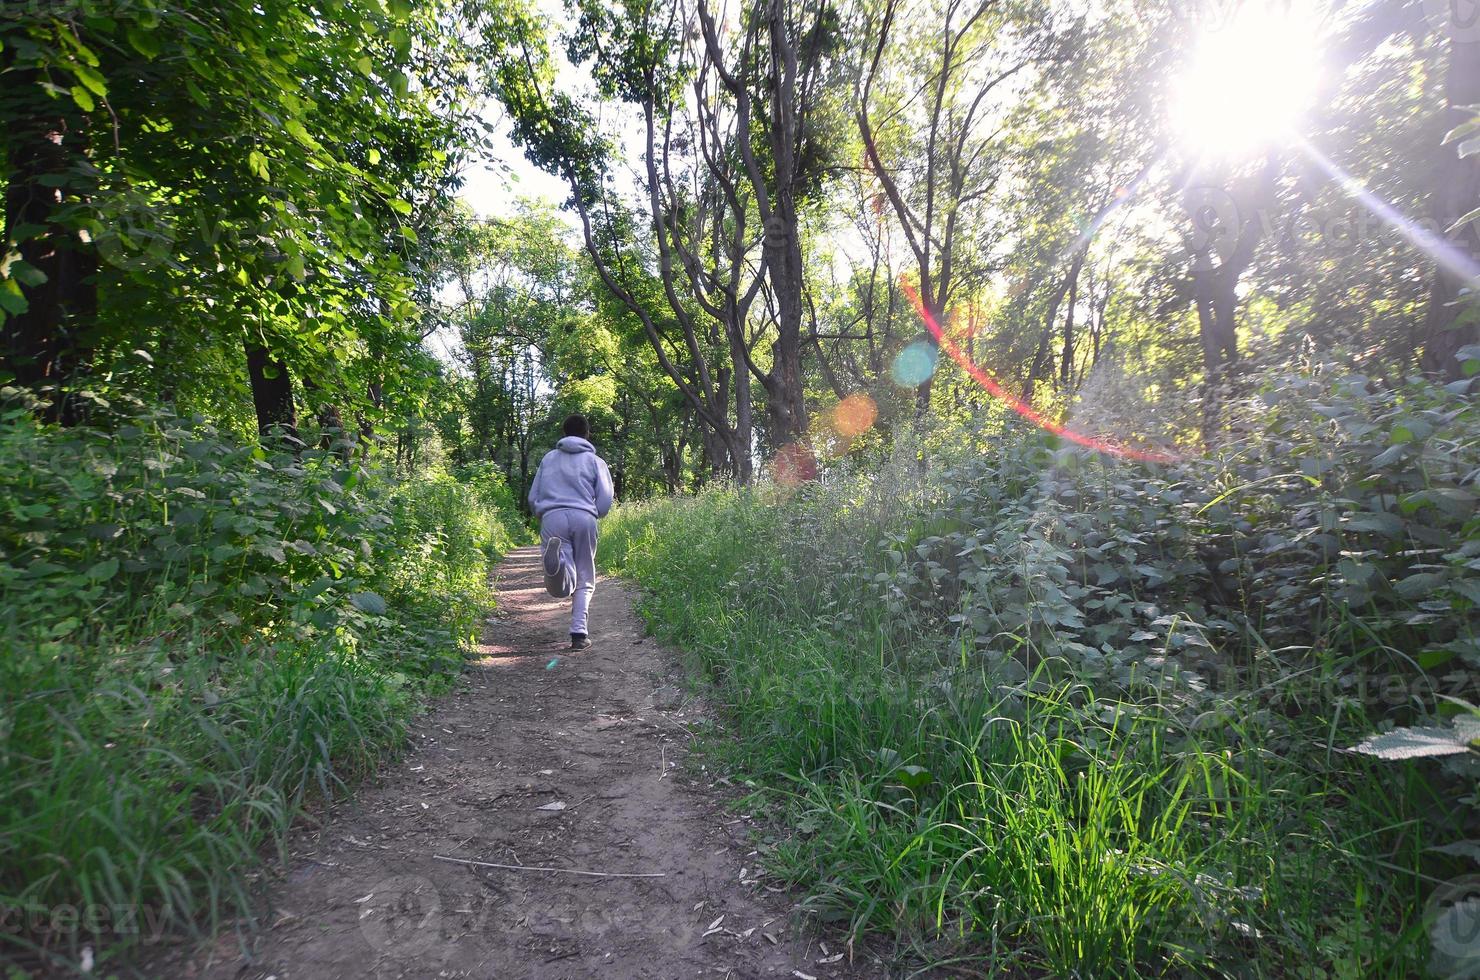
<point x="1249" y="81"/>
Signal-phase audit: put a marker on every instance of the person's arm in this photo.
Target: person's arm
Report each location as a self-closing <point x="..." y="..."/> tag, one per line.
<point x="534" y="489"/>
<point x="603" y="488"/>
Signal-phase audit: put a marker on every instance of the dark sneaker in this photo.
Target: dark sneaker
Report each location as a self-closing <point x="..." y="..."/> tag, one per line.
<point x="579" y="641"/>
<point x="551" y="557"/>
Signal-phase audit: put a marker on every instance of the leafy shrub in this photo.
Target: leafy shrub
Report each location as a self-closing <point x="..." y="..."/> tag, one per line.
<point x="1091" y="714"/>
<point x="198" y="639"/>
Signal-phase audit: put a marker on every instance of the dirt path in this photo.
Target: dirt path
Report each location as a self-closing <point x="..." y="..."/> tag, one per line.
<point x="574" y="766"/>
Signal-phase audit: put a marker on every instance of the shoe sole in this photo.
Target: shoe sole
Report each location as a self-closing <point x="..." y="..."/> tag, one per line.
<point x="551" y="554"/>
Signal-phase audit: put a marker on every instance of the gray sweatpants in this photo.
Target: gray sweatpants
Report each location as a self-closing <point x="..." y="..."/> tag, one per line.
<point x="576" y="530"/>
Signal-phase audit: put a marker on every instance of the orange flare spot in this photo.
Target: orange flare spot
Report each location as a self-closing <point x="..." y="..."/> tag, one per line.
<point x="854" y="415"/>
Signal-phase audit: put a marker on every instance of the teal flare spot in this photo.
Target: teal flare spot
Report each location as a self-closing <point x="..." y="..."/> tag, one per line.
<point x="915" y="364"/>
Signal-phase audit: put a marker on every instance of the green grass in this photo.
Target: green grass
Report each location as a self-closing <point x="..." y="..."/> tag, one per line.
<point x="931" y="790"/>
<point x="201" y="645"/>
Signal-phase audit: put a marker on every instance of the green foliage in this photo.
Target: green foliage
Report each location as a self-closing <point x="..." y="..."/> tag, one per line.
<point x="200" y="639"/>
<point x="1087" y="716"/>
<point x="254" y="173"/>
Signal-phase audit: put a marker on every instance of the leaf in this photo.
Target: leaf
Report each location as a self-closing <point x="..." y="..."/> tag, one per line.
<point x="1430" y="659"/>
<point x="557" y="805"/>
<point x="368" y="602"/>
<point x="27" y="274"/>
<point x="196" y="95"/>
<point x="91" y="79"/>
<point x="1390" y="455"/>
<point x="12" y="300"/>
<point x="83" y="98"/>
<point x="914" y="777"/>
<point x="1418" y="743"/>
<point x="1460" y="848"/>
<point x="1461" y="131"/>
<point x="103" y="570"/>
<point x="142" y="42"/>
<point x="1409" y="429"/>
<point x="300" y="133"/>
<point x="1379" y="521"/>
<point x="1420" y="584"/>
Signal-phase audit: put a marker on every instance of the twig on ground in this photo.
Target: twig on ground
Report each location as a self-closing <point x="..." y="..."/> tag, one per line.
<point x="564" y="871"/>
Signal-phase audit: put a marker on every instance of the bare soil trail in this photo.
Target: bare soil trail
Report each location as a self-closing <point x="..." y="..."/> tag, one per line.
<point x="576" y="766"/>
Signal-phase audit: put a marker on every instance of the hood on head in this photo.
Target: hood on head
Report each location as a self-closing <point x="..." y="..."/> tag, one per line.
<point x="574" y="444"/>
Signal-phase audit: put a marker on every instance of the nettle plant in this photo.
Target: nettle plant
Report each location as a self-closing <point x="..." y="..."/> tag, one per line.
<point x="1342" y="542"/>
<point x="166" y="525"/>
<point x="1328" y="559"/>
<point x="199" y="639"/>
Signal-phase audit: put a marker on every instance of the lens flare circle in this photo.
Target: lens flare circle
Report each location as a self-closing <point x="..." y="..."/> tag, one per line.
<point x="794" y="465"/>
<point x="915" y="365"/>
<point x="854" y="415"/>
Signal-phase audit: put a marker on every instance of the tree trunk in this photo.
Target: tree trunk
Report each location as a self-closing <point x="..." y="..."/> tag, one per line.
<point x="1450" y="323"/>
<point x="1244" y="211"/>
<point x="1066" y="365"/>
<point x="272" y="397"/>
<point x="48" y="344"/>
<point x="787" y="405"/>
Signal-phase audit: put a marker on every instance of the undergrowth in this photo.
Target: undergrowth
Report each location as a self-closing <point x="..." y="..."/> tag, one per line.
<point x="1043" y="709"/>
<point x="200" y="640"/>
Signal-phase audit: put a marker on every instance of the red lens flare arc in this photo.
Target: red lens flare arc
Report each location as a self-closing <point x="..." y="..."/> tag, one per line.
<point x="983" y="378"/>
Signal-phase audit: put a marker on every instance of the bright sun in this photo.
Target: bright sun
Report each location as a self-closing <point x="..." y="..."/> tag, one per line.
<point x="1249" y="80"/>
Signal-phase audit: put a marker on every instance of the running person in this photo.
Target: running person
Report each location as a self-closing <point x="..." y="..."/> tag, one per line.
<point x="572" y="489"/>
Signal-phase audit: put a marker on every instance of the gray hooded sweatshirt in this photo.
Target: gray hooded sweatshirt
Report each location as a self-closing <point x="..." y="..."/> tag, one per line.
<point x="572" y="475"/>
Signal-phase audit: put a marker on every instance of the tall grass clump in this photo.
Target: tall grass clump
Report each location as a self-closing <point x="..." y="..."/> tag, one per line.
<point x="199" y="640"/>
<point x="1073" y="714"/>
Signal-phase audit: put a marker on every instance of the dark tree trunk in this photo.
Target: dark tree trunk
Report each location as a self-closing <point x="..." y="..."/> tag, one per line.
<point x="1213" y="292"/>
<point x="1041" y="363"/>
<point x="331" y="431"/>
<point x="49" y="344"/>
<point x="1236" y="214"/>
<point x="1447" y="328"/>
<point x="332" y="435"/>
<point x="272" y="397"/>
<point x="1066" y="365"/>
<point x="786" y="402"/>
